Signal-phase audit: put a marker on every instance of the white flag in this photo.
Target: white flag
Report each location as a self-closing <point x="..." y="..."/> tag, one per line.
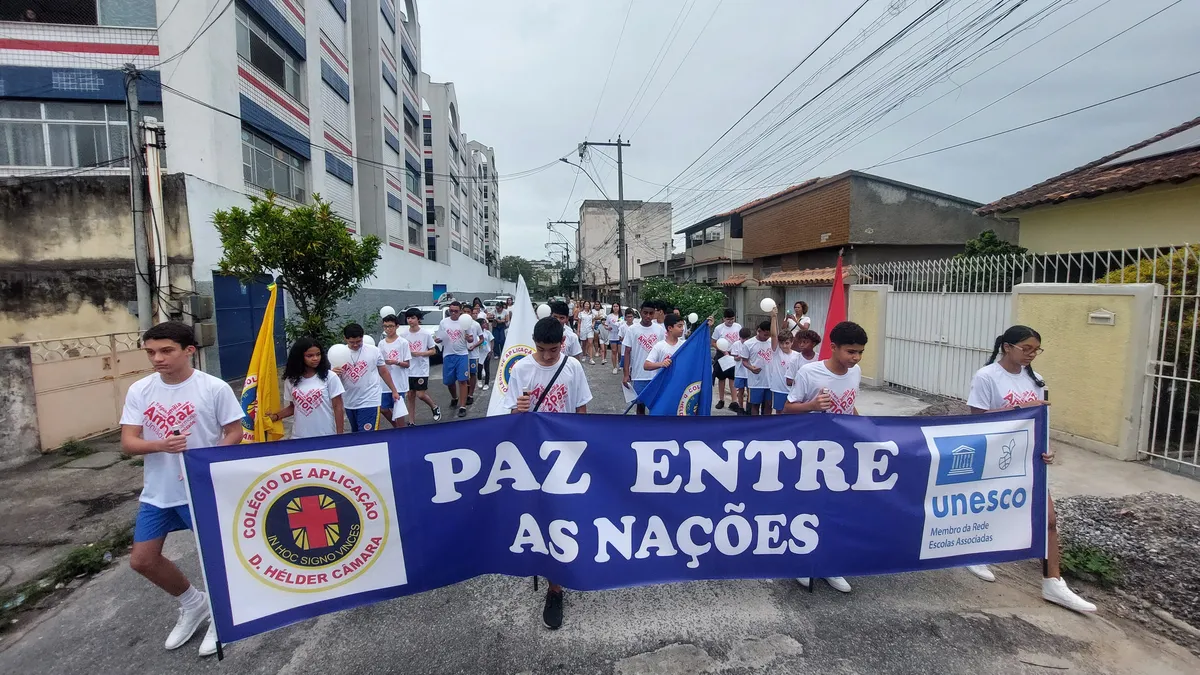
<point x="518" y="343"/>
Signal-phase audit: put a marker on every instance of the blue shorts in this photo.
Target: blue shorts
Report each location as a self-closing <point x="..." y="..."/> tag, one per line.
<point x="640" y="385"/>
<point x="759" y="396"/>
<point x="473" y="366"/>
<point x="780" y="400"/>
<point x="739" y="383"/>
<point x="387" y="401"/>
<point x="614" y="342"/>
<point x="363" y="419"/>
<point x="155" y="523"/>
<point x="455" y="368"/>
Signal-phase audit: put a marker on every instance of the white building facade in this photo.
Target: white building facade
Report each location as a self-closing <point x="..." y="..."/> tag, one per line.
<point x="293" y="96"/>
<point x="647" y="229"/>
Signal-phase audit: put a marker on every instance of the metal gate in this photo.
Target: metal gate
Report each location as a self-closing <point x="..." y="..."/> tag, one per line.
<point x="817" y="298"/>
<point x="80" y="383"/>
<point x="239" y="313"/>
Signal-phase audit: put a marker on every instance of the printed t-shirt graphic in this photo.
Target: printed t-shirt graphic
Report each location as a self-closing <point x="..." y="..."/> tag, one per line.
<point x="313" y="401"/>
<point x="641" y="339"/>
<point x="993" y="387"/>
<point x="570" y="390"/>
<point x="843" y="389"/>
<point x="364" y="388"/>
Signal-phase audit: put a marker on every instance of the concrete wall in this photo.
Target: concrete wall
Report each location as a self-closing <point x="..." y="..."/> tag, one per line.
<point x="66" y="255"/>
<point x="1097" y="403"/>
<point x="883" y="212"/>
<point x="18" y="408"/>
<point x="867" y="307"/>
<point x="812" y="219"/>
<point x="647" y="228"/>
<point x="1160" y="215"/>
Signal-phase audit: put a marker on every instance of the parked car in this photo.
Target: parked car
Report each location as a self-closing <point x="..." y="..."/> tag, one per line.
<point x="429" y="323"/>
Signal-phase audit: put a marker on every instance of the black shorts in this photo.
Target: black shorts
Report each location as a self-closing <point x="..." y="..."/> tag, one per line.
<point x="418" y="384"/>
<point x="721" y="374"/>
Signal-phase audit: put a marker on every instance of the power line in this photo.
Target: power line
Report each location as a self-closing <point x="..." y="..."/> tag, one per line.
<point x="685" y="10"/>
<point x="1041" y="121"/>
<point x="616" y="50"/>
<point x="199" y="33"/>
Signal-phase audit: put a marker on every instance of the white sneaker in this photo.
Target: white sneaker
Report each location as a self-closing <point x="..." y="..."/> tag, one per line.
<point x="804" y="581"/>
<point x="615" y="370"/>
<point x="1056" y="591"/>
<point x="981" y="571"/>
<point x="185" y="627"/>
<point x="209" y="646"/>
<point x="838" y="584"/>
<point x="592" y="361"/>
<point x="485" y="386"/>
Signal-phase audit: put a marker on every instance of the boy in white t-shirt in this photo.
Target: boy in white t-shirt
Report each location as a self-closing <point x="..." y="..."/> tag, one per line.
<point x="420" y="347"/>
<point x="568" y="393"/>
<point x="640" y="338"/>
<point x="831" y="386"/>
<point x="727" y="329"/>
<point x="660" y="356"/>
<point x="740" y="374"/>
<point x="782" y="367"/>
<point x="758" y="357"/>
<point x="364" y="377"/>
<point x="483" y="353"/>
<point x="397" y="356"/>
<point x="571" y="346"/>
<point x="165" y="414"/>
<point x="620" y="346"/>
<point x="457" y="342"/>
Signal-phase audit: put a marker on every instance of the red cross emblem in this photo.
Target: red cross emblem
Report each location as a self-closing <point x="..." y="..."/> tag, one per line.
<point x="313" y="520"/>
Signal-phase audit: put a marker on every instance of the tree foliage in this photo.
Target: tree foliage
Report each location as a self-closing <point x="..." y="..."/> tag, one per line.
<point x="513" y="266"/>
<point x="318" y="262"/>
<point x="690" y="297"/>
<point x="987" y="243"/>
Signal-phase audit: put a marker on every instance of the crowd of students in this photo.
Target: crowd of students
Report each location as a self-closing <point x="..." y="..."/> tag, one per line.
<point x="774" y="370"/>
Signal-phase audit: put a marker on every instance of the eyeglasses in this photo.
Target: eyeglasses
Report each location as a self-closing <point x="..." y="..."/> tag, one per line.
<point x="1029" y="351"/>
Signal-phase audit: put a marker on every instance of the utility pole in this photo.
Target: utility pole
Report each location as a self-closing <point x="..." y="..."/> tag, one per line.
<point x="621" y="253"/>
<point x="578" y="251"/>
<point x="666" y="255"/>
<point x="141" y="247"/>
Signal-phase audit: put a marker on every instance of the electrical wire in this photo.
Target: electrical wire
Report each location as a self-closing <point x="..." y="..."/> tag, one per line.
<point x="685" y="10"/>
<point x="604" y="88"/>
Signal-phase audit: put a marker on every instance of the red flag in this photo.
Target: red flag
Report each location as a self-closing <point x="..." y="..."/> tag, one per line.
<point x="837" y="310"/>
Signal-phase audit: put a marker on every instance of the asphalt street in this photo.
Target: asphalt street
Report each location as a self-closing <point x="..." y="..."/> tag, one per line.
<point x="942" y="622"/>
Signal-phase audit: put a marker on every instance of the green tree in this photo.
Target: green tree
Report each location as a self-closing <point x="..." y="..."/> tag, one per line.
<point x="317" y="261"/>
<point x="705" y="301"/>
<point x="513" y="266"/>
<point x="987" y="243"/>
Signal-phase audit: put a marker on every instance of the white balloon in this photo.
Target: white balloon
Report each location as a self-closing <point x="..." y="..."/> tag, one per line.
<point x="465" y="321"/>
<point x="386" y="310"/>
<point x="723" y="344"/>
<point x="368" y="340"/>
<point x="767" y="304"/>
<point x="693" y="317"/>
<point x="339" y="355"/>
<point x="543" y="311"/>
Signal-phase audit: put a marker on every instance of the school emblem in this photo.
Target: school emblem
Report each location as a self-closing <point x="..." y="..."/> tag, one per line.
<point x="689" y="401"/>
<point x="310" y="526"/>
<point x="510" y="358"/>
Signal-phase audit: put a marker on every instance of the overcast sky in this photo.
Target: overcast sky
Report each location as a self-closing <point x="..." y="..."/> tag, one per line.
<point x="529" y="76"/>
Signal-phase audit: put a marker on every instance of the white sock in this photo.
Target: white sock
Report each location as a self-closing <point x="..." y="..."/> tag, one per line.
<point x="191" y="598"/>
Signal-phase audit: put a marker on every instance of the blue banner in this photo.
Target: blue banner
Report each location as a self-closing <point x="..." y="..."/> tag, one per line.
<point x="293" y="529"/>
<point x="685" y="388"/>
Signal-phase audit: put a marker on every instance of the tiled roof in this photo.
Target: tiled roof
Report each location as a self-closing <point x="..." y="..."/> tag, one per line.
<point x="735" y="280"/>
<point x="1095" y="178"/>
<point x="816" y="277"/>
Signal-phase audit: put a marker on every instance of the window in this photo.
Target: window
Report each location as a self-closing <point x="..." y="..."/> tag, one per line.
<point x="454" y="180"/>
<point x="271" y="167"/>
<point x="485" y="213"/>
<point x="454" y="221"/>
<point x="429" y="172"/>
<point x="410" y="180"/>
<point x="257" y="46"/>
<point x="414" y="234"/>
<point x="66" y="134"/>
<point x="119" y="13"/>
<point x="410" y="73"/>
<point x="430" y="212"/>
<point x="453" y="145"/>
<point x="410" y="126"/>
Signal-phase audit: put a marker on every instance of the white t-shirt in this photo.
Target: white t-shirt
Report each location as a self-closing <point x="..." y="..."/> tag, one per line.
<point x="730" y="333"/>
<point x="661" y="351"/>
<point x="571" y="344"/>
<point x="454" y="338"/>
<point x="312" y="401"/>
<point x="621" y="330"/>
<point x="397" y="351"/>
<point x="587" y="321"/>
<point x="799" y="362"/>
<point x="782" y="368"/>
<point x="364" y="387"/>
<point x="994" y="387"/>
<point x="793" y="326"/>
<point x="759" y="352"/>
<point x="738" y="351"/>
<point x="420" y="341"/>
<point x="814" y="377"/>
<point x="613" y="322"/>
<point x="480" y="353"/>
<point x="199" y="407"/>
<point x="641" y="339"/>
<point x="569" y="392"/>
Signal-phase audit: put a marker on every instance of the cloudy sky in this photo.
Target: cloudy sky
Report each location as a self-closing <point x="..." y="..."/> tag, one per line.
<point x="530" y="77"/>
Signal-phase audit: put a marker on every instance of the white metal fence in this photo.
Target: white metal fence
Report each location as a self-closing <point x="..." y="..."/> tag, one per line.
<point x="943" y="317"/>
<point x="817" y="298"/>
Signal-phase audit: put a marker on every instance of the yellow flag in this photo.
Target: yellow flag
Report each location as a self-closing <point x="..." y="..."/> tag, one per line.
<point x="260" y="392"/>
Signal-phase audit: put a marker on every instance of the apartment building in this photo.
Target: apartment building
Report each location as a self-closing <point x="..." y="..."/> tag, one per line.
<point x="647" y="231"/>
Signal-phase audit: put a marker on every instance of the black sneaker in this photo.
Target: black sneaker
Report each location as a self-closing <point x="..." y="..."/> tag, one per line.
<point x="412" y="424"/>
<point x="552" y="613"/>
<point x="453" y="403"/>
<point x="470" y="400"/>
<point x="735" y="407"/>
<point x="437" y="414"/>
<point x="720" y="404"/>
<point x="462" y="412"/>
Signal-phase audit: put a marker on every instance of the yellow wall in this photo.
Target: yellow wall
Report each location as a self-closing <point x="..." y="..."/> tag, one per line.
<point x="1087" y="393"/>
<point x="866" y="310"/>
<point x="1154" y="216"/>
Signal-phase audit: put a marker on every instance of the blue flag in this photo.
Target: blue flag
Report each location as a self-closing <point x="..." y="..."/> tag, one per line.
<point x="686" y="387"/>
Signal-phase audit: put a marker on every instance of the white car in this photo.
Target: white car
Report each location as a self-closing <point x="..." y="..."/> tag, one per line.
<point x="429" y="323"/>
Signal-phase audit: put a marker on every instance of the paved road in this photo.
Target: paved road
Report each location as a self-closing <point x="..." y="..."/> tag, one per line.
<point x="946" y="622"/>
